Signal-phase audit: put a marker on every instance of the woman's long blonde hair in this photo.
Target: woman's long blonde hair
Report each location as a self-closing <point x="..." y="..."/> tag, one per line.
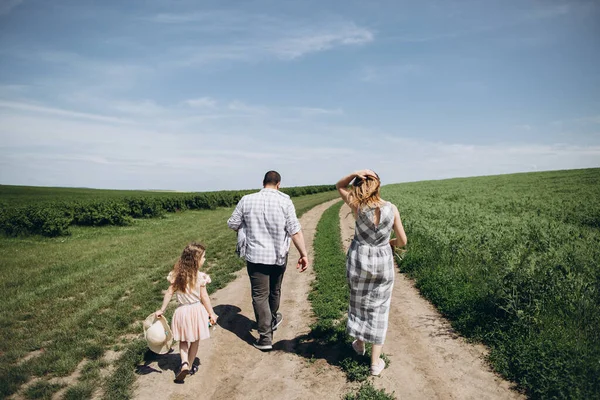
<point x="186" y="268"/>
<point x="365" y="192"/>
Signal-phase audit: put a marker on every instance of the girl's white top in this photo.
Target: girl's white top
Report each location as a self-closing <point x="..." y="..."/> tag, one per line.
<point x="192" y="294"/>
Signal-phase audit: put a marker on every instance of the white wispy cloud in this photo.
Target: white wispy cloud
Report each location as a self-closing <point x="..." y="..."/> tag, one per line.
<point x="43" y="145"/>
<point x="92" y="152"/>
<point x="218" y="20"/>
<point x="158" y="101"/>
<point x="60" y="112"/>
<point x="12" y="89"/>
<point x="305" y="42"/>
<point x="201" y="102"/>
<point x="195" y="17"/>
<point x="240" y="106"/>
<point x="143" y="108"/>
<point x="74" y="74"/>
<point x="238" y="36"/>
<point x="390" y="73"/>
<point x="315" y="111"/>
<point x="438" y="160"/>
<point x="192" y="116"/>
<point x="524" y="127"/>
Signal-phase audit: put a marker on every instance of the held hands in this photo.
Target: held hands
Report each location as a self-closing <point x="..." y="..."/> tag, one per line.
<point x="212" y="319"/>
<point x="302" y="264"/>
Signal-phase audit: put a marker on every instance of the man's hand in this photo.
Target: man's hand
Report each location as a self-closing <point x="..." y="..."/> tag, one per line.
<point x="298" y="239"/>
<point x="302" y="264"/>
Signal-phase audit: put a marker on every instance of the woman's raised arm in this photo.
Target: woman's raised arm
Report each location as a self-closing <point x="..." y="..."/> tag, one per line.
<point x="342" y="185"/>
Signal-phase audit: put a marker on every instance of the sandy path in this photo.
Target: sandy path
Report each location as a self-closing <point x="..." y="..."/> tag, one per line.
<point x="231" y="368"/>
<point x="428" y="360"/>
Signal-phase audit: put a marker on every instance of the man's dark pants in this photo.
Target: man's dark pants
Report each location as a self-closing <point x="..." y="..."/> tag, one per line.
<point x="265" y="281"/>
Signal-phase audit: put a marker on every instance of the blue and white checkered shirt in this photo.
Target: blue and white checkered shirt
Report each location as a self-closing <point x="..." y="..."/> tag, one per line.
<point x="270" y="222"/>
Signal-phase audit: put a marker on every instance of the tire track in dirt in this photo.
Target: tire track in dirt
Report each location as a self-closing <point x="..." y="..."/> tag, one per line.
<point x="231" y="368"/>
<point x="428" y="359"/>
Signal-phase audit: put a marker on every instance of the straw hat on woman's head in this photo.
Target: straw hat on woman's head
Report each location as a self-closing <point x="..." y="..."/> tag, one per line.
<point x="158" y="334"/>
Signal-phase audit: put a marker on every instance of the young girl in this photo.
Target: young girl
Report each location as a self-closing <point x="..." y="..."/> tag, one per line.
<point x="369" y="262"/>
<point x="194" y="312"/>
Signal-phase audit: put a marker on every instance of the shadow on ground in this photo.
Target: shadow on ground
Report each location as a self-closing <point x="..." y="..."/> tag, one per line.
<point x="165" y="362"/>
<point x="312" y="349"/>
<point x="236" y="323"/>
<point x="305" y="346"/>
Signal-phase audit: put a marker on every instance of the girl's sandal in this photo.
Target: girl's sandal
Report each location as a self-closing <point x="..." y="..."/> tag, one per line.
<point x="194" y="369"/>
<point x="182" y="373"/>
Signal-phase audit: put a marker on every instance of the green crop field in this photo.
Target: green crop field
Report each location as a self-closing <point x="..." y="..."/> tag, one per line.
<point x="514" y="261"/>
<point x="68" y="300"/>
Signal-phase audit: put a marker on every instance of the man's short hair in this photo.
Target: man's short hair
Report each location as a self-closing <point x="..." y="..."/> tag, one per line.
<point x="272" y="178"/>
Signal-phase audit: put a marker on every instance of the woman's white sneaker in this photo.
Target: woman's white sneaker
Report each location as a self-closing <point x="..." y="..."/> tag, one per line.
<point x="378" y="367"/>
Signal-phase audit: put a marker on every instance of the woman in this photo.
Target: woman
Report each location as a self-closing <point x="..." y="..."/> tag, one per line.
<point x="370" y="262"/>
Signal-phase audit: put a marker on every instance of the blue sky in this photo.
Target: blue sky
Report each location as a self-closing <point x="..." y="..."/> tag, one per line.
<point x="209" y="95"/>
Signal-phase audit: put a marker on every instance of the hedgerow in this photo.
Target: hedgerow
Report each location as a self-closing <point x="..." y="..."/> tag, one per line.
<point x="29" y="216"/>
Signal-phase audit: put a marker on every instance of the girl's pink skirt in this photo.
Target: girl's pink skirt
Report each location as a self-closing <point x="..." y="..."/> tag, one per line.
<point x="190" y="323"/>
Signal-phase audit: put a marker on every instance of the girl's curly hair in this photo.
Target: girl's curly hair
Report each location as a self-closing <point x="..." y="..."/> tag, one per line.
<point x="365" y="192"/>
<point x="186" y="268"/>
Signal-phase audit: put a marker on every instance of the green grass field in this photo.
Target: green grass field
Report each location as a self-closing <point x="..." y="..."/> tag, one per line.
<point x="70" y="299"/>
<point x="513" y="261"/>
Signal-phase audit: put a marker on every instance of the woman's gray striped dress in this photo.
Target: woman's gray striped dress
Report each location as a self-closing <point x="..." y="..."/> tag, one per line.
<point x="370" y="272"/>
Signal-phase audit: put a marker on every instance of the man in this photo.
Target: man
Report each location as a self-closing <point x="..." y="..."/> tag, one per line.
<point x="269" y="223"/>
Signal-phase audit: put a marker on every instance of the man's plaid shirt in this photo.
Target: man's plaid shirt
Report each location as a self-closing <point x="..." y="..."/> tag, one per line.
<point x="270" y="221"/>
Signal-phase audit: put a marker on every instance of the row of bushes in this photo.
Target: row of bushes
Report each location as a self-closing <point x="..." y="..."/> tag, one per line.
<point x="54" y="218"/>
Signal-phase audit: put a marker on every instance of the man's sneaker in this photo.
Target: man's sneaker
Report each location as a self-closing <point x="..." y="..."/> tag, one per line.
<point x="277" y="321"/>
<point x="263" y="345"/>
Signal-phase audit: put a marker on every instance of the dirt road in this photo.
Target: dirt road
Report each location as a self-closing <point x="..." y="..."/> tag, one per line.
<point x="428" y="361"/>
<point x="231" y="368"/>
